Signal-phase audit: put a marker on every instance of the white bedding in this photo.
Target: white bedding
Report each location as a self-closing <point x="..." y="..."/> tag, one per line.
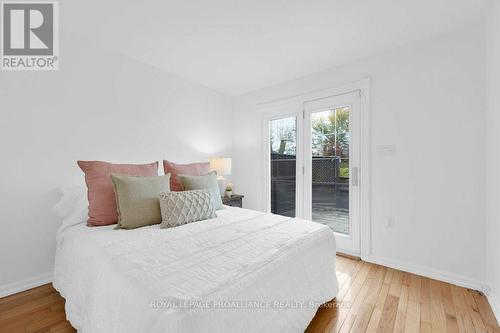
<point x="158" y="280"/>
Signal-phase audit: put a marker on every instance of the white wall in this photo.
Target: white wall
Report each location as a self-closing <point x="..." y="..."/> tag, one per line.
<point x="428" y="99"/>
<point x="493" y="157"/>
<point x="99" y="106"/>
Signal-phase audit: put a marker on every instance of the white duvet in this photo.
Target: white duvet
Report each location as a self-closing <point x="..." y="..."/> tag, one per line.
<point x="244" y="271"/>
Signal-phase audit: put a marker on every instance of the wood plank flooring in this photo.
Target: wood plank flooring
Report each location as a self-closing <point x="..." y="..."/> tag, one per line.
<point x="374" y="298"/>
<point x="371" y="298"/>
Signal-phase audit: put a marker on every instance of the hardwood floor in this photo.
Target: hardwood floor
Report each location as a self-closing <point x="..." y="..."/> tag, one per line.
<point x="371" y="298"/>
<point x="36" y="310"/>
<point x="374" y="298"/>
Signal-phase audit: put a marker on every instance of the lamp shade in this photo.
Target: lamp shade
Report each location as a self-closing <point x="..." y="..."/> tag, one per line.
<point x="221" y="165"/>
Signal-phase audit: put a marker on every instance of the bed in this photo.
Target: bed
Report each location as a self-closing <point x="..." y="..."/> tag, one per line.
<point x="244" y="271"/>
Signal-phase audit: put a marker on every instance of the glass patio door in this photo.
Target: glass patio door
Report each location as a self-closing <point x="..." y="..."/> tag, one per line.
<point x="331" y="160"/>
<point x="312" y="154"/>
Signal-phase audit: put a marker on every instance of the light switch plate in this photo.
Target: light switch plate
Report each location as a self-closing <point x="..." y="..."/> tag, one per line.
<point x="386" y="150"/>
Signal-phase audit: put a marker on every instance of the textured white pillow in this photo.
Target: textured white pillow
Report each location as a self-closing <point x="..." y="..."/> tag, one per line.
<point x="178" y="208"/>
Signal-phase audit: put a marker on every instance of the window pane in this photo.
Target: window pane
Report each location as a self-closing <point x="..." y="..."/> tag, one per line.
<point x="330" y="168"/>
<point x="283" y="137"/>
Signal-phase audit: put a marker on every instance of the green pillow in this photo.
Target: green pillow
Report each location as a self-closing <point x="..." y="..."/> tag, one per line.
<point x="207" y="182"/>
<point x="137" y="199"/>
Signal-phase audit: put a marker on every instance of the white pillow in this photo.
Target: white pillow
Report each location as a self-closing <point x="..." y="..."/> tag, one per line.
<point x="72" y="207"/>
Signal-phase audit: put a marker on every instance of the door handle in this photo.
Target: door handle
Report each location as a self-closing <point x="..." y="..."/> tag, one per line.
<point x="354" y="176"/>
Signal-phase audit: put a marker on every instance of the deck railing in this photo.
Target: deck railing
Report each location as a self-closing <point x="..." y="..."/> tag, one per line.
<point x="325" y="170"/>
<point x="330" y="180"/>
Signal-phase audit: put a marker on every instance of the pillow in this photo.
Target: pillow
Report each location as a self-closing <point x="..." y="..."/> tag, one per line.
<point x="178" y="208"/>
<point x="193" y="169"/>
<point x="72" y="208"/>
<point x="102" y="204"/>
<point x="137" y="199"/>
<point x="71" y="199"/>
<point x="207" y="182"/>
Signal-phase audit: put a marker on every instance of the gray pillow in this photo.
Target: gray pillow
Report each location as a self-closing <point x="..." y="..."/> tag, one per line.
<point x="178" y="208"/>
<point x="137" y="199"/>
<point x="207" y="182"/>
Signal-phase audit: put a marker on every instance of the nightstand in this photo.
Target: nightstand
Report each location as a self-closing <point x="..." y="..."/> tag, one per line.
<point x="235" y="200"/>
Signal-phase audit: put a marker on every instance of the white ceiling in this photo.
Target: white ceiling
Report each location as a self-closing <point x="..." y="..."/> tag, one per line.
<point x="239" y="46"/>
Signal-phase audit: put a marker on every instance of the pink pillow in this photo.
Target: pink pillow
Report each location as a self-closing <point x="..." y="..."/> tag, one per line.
<point x="102" y="203"/>
<point x="193" y="169"/>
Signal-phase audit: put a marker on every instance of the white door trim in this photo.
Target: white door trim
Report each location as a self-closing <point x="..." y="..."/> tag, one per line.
<point x="294" y="105"/>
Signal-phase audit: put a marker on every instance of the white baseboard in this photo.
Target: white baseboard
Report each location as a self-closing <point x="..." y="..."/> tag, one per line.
<point x="430" y="273"/>
<point x="495" y="305"/>
<point x="16" y="287"/>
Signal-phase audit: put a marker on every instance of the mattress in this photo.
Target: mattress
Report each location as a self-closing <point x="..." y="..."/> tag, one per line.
<point x="244" y="271"/>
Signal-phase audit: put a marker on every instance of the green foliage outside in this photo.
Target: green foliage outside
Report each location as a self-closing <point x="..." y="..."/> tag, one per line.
<point x="330" y="136"/>
<point x="330" y="133"/>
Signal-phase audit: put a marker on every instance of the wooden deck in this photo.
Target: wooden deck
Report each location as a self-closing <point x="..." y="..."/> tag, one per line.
<point x="372" y="298"/>
<point x="336" y="219"/>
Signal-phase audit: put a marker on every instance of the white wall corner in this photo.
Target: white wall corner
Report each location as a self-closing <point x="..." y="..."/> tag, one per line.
<point x="430" y="272"/>
<point x="16" y="287"/>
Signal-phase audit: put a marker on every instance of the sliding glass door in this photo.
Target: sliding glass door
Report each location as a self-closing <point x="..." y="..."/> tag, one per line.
<point x="312" y="163"/>
<point x="331" y="159"/>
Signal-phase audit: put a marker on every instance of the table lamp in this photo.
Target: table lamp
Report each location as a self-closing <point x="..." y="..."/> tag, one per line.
<point x="221" y="165"/>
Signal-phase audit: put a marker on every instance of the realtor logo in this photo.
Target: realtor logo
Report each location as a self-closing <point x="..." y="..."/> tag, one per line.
<point x="29" y="35"/>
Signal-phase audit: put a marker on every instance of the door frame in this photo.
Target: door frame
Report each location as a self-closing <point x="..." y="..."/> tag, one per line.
<point x="294" y="106"/>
